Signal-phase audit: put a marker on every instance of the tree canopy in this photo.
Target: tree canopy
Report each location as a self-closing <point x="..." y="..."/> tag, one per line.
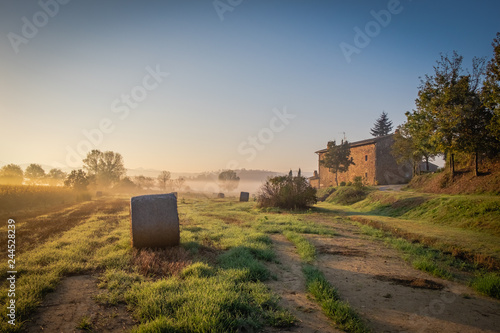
<point x="228" y="180"/>
<point x="382" y="126"/>
<point x="337" y="158"/>
<point x="77" y="180"/>
<point x="11" y="174"/>
<point x="35" y="173"/>
<point x="107" y="167"/>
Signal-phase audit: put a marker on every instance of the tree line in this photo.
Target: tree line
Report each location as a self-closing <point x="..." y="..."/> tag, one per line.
<point x="457" y="113"/>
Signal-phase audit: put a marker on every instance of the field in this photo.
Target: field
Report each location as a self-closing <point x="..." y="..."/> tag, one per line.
<point x="387" y="263"/>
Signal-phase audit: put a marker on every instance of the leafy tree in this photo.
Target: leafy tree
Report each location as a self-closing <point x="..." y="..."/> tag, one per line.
<point x="405" y="149"/>
<point x="35" y="173"/>
<point x="448" y="100"/>
<point x="382" y="126"/>
<point x="77" y="180"/>
<point x="228" y="180"/>
<point x="163" y="180"/>
<point x="11" y="174"/>
<point x="125" y="184"/>
<point x="491" y="89"/>
<point x="287" y="192"/>
<point x="55" y="177"/>
<point x="144" y="182"/>
<point x="107" y="167"/>
<point x="337" y="158"/>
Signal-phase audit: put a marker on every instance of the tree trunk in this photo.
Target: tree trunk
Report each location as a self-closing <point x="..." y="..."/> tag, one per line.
<point x="427" y="163"/>
<point x="452" y="164"/>
<point x="476" y="164"/>
<point x="336" y="179"/>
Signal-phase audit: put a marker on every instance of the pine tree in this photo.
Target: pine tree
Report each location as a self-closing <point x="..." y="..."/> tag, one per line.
<point x="382" y="126"/>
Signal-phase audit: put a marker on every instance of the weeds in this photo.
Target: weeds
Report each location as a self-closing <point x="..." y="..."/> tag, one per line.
<point x="488" y="284"/>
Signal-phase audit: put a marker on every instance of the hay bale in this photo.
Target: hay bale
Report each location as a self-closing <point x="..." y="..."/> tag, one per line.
<point x="244" y="196"/>
<point x="220" y="195"/>
<point x="154" y="221"/>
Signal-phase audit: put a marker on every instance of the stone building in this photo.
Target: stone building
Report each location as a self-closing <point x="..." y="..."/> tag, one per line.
<point x="373" y="162"/>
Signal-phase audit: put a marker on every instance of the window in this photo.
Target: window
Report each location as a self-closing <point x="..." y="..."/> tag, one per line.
<point x="366" y="175"/>
<point x="366" y="157"/>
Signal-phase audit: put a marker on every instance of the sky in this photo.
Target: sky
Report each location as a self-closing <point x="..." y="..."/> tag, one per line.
<point x="192" y="86"/>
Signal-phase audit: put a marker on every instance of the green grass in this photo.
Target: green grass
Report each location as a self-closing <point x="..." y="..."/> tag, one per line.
<point x="85" y="324"/>
<point x="83" y="248"/>
<point x="279" y="223"/>
<point x="419" y="256"/>
<point x="339" y="311"/>
<point x="305" y="249"/>
<point x="488" y="284"/>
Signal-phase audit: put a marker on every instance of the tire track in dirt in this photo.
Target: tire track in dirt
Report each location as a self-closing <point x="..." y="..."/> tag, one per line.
<point x="392" y="296"/>
<point x="63" y="310"/>
<point x="290" y="286"/>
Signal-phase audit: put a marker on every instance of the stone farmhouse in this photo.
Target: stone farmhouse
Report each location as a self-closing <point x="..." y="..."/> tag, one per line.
<point x="373" y="162"/>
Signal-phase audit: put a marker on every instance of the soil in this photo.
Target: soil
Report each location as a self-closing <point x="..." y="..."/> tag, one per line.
<point x="63" y="310"/>
<point x="389" y="294"/>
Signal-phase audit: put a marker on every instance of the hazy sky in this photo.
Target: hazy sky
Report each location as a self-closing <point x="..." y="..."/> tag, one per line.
<point x="207" y="85"/>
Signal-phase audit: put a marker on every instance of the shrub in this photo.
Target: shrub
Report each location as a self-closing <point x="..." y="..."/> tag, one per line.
<point x="343" y="184"/>
<point x="287" y="192"/>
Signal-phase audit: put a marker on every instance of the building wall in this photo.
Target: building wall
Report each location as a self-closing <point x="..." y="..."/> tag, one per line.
<point x="364" y="158"/>
<point x="387" y="169"/>
<point x="373" y="162"/>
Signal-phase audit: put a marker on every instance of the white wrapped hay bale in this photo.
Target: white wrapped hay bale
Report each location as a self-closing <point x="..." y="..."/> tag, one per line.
<point x="154" y="221"/>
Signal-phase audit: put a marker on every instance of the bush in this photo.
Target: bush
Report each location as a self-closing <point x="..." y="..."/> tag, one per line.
<point x="342" y="184"/>
<point x="287" y="192"/>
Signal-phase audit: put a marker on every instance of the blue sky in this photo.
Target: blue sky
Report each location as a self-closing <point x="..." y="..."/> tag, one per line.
<point x="172" y="86"/>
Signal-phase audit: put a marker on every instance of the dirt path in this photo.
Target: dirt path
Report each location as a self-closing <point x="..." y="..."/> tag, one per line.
<point x="63" y="310"/>
<point x="290" y="286"/>
<point x="391" y="296"/>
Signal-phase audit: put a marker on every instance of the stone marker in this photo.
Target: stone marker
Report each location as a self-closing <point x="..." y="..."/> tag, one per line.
<point x="220" y="195"/>
<point x="154" y="221"/>
<point x="244" y="196"/>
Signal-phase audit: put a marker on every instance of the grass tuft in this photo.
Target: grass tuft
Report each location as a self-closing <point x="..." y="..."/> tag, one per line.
<point x="305" y="249"/>
<point x="488" y="284"/>
<point x="327" y="296"/>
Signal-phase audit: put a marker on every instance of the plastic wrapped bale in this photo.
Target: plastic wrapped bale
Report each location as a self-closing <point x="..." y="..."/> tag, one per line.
<point x="220" y="195"/>
<point x="244" y="196"/>
<point x="154" y="221"/>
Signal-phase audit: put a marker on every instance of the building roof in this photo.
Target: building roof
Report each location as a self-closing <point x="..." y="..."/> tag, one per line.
<point x="360" y="143"/>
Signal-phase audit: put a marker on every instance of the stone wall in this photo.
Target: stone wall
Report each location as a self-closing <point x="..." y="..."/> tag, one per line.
<point x="373" y="162"/>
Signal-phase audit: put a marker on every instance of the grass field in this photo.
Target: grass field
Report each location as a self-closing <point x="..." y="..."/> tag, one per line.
<point x="226" y="248"/>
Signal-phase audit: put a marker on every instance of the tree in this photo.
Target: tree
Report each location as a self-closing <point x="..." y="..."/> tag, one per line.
<point x="337" y="158"/>
<point x="228" y="180"/>
<point x="163" y="180"/>
<point x="77" y="180"/>
<point x="179" y="183"/>
<point x="491" y="89"/>
<point x="382" y="126"/>
<point x="125" y="184"/>
<point x="448" y="100"/>
<point x="55" y="177"/>
<point x="35" y="173"/>
<point x="107" y="167"/>
<point x="11" y="174"/>
<point x="144" y="182"/>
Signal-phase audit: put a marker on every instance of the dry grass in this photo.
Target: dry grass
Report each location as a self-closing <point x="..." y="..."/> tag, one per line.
<point x="161" y="263"/>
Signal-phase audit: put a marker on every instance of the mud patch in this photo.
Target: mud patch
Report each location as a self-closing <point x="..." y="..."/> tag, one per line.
<point x="341" y="251"/>
<point x="64" y="309"/>
<point x="418" y="283"/>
